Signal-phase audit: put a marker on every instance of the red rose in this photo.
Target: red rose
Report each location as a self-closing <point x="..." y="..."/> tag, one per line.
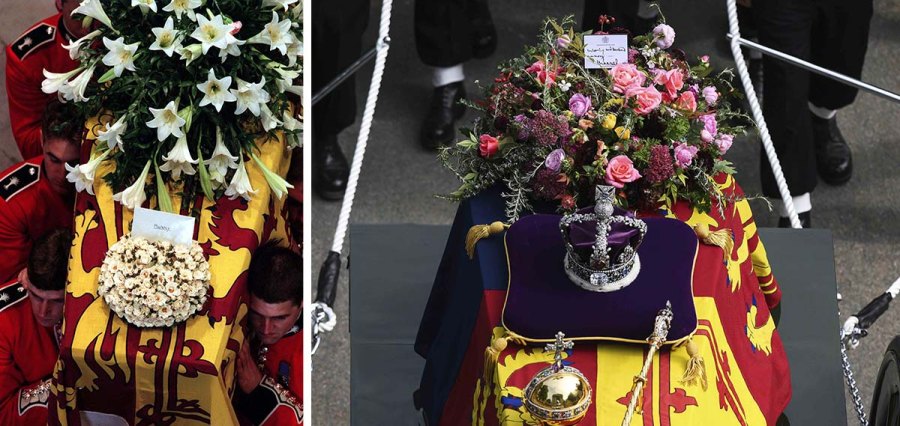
<point x="489" y="146"/>
<point x="567" y="202"/>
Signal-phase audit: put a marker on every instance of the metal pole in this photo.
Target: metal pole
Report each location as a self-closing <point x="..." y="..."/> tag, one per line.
<point x="344" y="75"/>
<point x="819" y="70"/>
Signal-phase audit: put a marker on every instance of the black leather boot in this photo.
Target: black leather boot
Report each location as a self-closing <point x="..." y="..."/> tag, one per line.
<point x="805" y="221"/>
<point x="834" y="161"/>
<point x="330" y="168"/>
<point x="440" y="123"/>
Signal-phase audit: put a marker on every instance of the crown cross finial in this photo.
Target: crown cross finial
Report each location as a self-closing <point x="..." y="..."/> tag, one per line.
<point x="558" y="347"/>
<point x="603" y="209"/>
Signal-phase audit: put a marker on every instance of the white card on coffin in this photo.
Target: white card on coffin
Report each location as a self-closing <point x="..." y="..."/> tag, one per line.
<point x="161" y="226"/>
<point x="605" y="51"/>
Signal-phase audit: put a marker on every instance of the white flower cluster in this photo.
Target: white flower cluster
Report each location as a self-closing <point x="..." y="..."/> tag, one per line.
<point x="190" y="31"/>
<point x="154" y="283"/>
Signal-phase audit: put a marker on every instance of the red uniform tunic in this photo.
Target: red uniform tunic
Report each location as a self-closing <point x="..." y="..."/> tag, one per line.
<point x="37" y="49"/>
<point x="29" y="208"/>
<point x="28" y="353"/>
<point x="278" y="399"/>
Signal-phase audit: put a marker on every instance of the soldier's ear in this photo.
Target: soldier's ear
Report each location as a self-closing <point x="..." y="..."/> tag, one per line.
<point x="23" y="279"/>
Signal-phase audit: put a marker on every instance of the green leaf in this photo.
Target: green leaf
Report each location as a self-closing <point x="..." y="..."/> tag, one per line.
<point x="465" y="144"/>
<point x="162" y="193"/>
<point x="205" y="183"/>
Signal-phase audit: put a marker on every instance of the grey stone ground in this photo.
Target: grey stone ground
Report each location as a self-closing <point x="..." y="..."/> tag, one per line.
<point x="399" y="179"/>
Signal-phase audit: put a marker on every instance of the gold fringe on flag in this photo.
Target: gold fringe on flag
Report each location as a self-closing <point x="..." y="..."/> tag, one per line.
<point x="492" y="352"/>
<point x="696" y="367"/>
<point x="478" y="232"/>
<point x="721" y="238"/>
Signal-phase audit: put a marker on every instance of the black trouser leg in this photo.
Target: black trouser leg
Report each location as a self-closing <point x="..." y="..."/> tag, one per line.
<point x="839" y="43"/>
<point x="442" y="32"/>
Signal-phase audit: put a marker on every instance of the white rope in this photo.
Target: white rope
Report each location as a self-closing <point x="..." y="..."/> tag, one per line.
<point x="368" y="113"/>
<point x="735" y="33"/>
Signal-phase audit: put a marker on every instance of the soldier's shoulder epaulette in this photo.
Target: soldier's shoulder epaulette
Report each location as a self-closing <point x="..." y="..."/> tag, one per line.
<point x="19" y="178"/>
<point x="33" y="39"/>
<point x="11" y="294"/>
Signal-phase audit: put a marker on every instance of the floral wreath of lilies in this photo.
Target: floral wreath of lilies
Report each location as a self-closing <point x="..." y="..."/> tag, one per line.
<point x="182" y="92"/>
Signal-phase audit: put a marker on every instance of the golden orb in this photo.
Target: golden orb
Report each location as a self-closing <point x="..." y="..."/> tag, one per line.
<point x="558" y="398"/>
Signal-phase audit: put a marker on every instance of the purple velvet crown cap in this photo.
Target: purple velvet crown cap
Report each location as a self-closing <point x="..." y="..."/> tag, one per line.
<point x="541" y="300"/>
<point x="582" y="235"/>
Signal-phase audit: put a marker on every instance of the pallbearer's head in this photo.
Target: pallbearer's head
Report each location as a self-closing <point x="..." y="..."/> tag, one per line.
<point x="46" y="278"/>
<point x="61" y="134"/>
<point x="275" y="280"/>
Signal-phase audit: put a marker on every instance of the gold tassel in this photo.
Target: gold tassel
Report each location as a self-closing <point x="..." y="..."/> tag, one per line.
<point x="721" y="238"/>
<point x="478" y="232"/>
<point x="492" y="355"/>
<point x="696" y="367"/>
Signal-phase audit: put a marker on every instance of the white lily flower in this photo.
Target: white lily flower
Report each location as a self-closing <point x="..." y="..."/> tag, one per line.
<point x="290" y="123"/>
<point x="74" y="89"/>
<point x="190" y="53"/>
<point x="215" y="91"/>
<point x="183" y="7"/>
<point x="144" y="5"/>
<point x="120" y="55"/>
<point x="249" y="96"/>
<point x="294" y="50"/>
<point x="213" y="33"/>
<point x="276" y="34"/>
<point x="221" y="159"/>
<point x="112" y="135"/>
<point x="134" y="196"/>
<point x="74" y="47"/>
<point x="53" y="81"/>
<point x="94" y="9"/>
<point x="179" y="160"/>
<point x="277" y="183"/>
<point x="167" y="39"/>
<point x="278" y="3"/>
<point x="269" y="121"/>
<point x="217" y="179"/>
<point x="240" y="184"/>
<point x="166" y="121"/>
<point x="233" y="49"/>
<point x="83" y="175"/>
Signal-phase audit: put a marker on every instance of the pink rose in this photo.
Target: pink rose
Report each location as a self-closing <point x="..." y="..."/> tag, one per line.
<point x="489" y="146"/>
<point x="723" y="142"/>
<point x="710" y="95"/>
<point x="684" y="154"/>
<point x="579" y="104"/>
<point x="236" y="27"/>
<point x="626" y="76"/>
<point x="664" y="36"/>
<point x="647" y="99"/>
<point x="686" y="102"/>
<point x="620" y="171"/>
<point x="709" y="131"/>
<point x="673" y="80"/>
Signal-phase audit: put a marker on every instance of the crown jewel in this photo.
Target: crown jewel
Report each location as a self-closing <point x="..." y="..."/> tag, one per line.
<point x="558" y="395"/>
<point x="612" y="262"/>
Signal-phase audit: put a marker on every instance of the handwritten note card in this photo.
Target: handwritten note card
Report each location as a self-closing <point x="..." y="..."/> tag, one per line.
<point x="605" y="51"/>
<point x="160" y="226"/>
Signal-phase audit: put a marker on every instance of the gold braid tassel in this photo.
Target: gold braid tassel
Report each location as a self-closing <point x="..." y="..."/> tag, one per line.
<point x="492" y="352"/>
<point x="721" y="238"/>
<point x="478" y="232"/>
<point x="696" y="367"/>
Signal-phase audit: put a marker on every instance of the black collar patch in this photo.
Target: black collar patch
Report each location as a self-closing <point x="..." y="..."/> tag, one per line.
<point x="11" y="295"/>
<point x="26" y="175"/>
<point x="36" y="37"/>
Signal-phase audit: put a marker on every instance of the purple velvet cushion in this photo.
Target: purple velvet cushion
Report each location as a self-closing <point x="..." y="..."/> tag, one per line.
<point x="584" y="234"/>
<point x="541" y="300"/>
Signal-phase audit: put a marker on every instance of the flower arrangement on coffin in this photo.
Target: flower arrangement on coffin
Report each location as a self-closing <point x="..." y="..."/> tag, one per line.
<point x="184" y="89"/>
<point x="154" y="283"/>
<point x="655" y="127"/>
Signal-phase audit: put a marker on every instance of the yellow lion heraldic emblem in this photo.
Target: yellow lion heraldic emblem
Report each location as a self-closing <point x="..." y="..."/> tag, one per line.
<point x="760" y="337"/>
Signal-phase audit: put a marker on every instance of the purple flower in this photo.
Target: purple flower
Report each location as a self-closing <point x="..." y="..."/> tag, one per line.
<point x="555" y="159"/>
<point x="547" y="185"/>
<point x="563" y="41"/>
<point x="684" y="154"/>
<point x="709" y="127"/>
<point x="664" y="36"/>
<point x="661" y="167"/>
<point x="724" y="142"/>
<point x="522" y="124"/>
<point x="579" y="104"/>
<point x="546" y="128"/>
<point x="710" y="94"/>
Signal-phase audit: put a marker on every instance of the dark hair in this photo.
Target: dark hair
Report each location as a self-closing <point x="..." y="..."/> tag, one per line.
<point x="49" y="260"/>
<point x="60" y="121"/>
<point x="276" y="274"/>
